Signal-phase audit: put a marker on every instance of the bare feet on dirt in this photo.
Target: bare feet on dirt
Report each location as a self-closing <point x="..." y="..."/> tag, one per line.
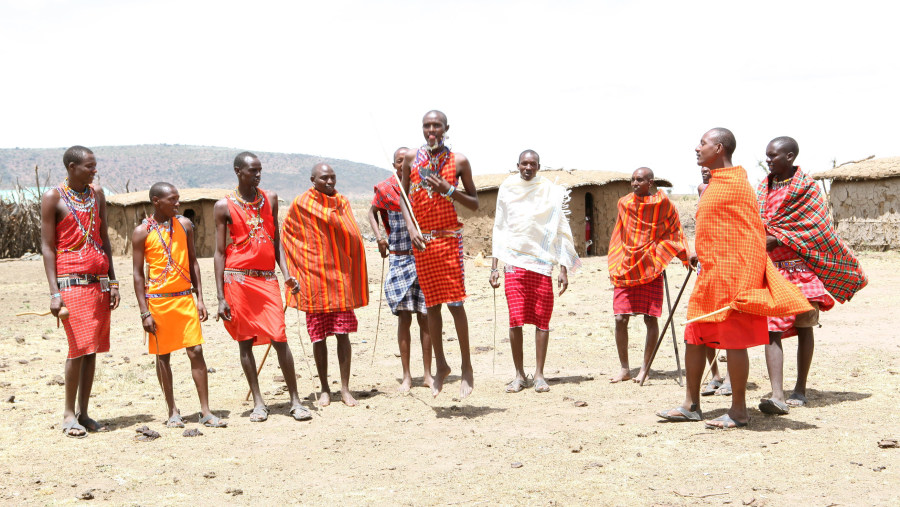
<point x="348" y="398"/>
<point x="641" y="376"/>
<point x="405" y="385"/>
<point x="437" y="383"/>
<point x="325" y="399"/>
<point x="623" y="375"/>
<point x="468" y="382"/>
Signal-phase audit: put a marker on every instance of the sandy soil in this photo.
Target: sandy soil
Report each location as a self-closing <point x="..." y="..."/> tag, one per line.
<point x="493" y="447"/>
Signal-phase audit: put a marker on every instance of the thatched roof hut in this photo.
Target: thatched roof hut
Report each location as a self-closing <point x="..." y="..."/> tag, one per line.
<point x="125" y="212"/>
<point x="594" y="197"/>
<point x="865" y="198"/>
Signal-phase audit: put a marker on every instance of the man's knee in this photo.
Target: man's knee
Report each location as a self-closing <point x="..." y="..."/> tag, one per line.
<point x="650" y="320"/>
<point x="622" y="319"/>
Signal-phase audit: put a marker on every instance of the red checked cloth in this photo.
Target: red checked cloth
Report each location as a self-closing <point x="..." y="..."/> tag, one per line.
<point x="529" y="296"/>
<point x="645" y="299"/>
<point x="321" y="325"/>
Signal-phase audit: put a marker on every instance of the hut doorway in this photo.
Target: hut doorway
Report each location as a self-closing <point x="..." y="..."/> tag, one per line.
<point x="589" y="226"/>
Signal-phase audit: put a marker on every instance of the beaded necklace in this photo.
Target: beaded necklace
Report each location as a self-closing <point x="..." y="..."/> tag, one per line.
<point x="255" y="223"/>
<point x="429" y="164"/>
<point x="171" y="265"/>
<point x="83" y="201"/>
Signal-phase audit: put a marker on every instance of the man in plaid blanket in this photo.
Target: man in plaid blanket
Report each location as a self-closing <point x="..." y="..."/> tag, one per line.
<point x="402" y="290"/>
<point x="803" y="245"/>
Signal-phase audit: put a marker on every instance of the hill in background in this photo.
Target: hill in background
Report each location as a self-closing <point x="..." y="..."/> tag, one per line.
<point x="186" y="166"/>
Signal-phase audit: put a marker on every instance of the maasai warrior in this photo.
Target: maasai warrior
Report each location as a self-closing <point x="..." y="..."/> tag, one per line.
<point x="531" y="235"/>
<point x="736" y="275"/>
<point x="325" y="253"/>
<point x="401" y="289"/>
<point x="802" y="243"/>
<point x="78" y="263"/>
<point x="430" y="177"/>
<point x="249" y="298"/>
<point x="646" y="237"/>
<point x="168" y="311"/>
<point x="705" y="174"/>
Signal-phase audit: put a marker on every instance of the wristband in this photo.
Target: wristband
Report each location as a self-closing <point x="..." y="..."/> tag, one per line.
<point x="494" y="270"/>
<point x="55" y="296"/>
<point x="450" y="192"/>
<point x="113" y="284"/>
<point x="145" y="315"/>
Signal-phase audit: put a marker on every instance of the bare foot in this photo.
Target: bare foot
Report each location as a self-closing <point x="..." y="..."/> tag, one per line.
<point x="641" y="376"/>
<point x="623" y="375"/>
<point x="468" y="382"/>
<point x="325" y="399"/>
<point x="348" y="399"/>
<point x="437" y="382"/>
<point x="405" y="385"/>
<point x="428" y="380"/>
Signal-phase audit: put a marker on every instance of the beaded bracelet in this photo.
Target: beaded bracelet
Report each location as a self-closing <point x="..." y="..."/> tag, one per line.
<point x="55" y="296"/>
<point x="114" y="284"/>
<point x="450" y="192"/>
<point x="145" y="315"/>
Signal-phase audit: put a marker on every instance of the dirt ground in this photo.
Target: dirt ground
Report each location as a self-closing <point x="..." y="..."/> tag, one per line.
<point x="492" y="448"/>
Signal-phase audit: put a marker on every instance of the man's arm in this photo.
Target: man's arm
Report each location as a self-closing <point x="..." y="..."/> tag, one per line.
<point x="373" y="223"/>
<point x="195" y="268"/>
<point x="221" y="217"/>
<point x="138" y="242"/>
<point x="49" y="202"/>
<point x="418" y="240"/>
<point x="468" y="197"/>
<point x="107" y="247"/>
<point x="289" y="280"/>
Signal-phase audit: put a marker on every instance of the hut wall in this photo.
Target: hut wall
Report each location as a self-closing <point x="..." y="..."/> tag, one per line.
<point x="123" y="219"/>
<point x="867" y="213"/>
<point x="478" y="225"/>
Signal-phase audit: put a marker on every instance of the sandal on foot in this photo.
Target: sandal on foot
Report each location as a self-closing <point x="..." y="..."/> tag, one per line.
<point x="91" y="425"/>
<point x="301" y="413"/>
<point x="175" y="421"/>
<point x="725" y="390"/>
<point x="211" y="421"/>
<point x="772" y="406"/>
<point x="517" y="385"/>
<point x="727" y="423"/>
<point x="259" y="414"/>
<point x="541" y="386"/>
<point x="69" y="427"/>
<point x="683" y="415"/>
<point x="711" y="388"/>
<point x="797" y="400"/>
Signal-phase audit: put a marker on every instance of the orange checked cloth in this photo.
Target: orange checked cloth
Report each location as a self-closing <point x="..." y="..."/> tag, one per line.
<point x="169" y="296"/>
<point x="735" y="269"/>
<point x="325" y="253"/>
<point x="646" y="237"/>
<point x="440" y="265"/>
<point x="251" y="288"/>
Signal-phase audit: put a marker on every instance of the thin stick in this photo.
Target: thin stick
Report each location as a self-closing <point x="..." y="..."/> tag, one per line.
<point x="44" y="314"/>
<point x="408" y="205"/>
<point x="662" y="335"/>
<point x="674" y="339"/>
<point x="495" y="332"/>
<point x="720" y="310"/>
<point x="259" y="370"/>
<point x="306" y="359"/>
<point x="378" y="321"/>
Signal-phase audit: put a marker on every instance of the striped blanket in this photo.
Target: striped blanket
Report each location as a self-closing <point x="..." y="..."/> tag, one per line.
<point x="803" y="224"/>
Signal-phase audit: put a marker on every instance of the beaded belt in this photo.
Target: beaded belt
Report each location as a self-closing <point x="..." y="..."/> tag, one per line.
<point x="791" y="266"/>
<point x="442" y="234"/>
<point x="237" y="275"/>
<point x="74" y="280"/>
<point x="401" y="252"/>
<point x="168" y="294"/>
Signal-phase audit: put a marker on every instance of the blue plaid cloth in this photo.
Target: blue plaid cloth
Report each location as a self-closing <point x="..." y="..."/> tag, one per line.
<point x="401" y="289"/>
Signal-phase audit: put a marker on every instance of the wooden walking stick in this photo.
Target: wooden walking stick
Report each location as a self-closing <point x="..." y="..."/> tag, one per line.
<point x="668" y="321"/>
<point x="408" y="205"/>
<point x="378" y="320"/>
<point x="674" y="340"/>
<point x="306" y="359"/>
<point x="495" y="332"/>
<point x="263" y="362"/>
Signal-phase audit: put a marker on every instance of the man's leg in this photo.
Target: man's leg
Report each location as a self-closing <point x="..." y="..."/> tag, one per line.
<point x="435" y="328"/>
<point x="320" y="354"/>
<point x="286" y="362"/>
<point x="344" y="356"/>
<point x="248" y="364"/>
<point x="425" y="339"/>
<point x="73" y="381"/>
<point x="649" y="344"/>
<point x="404" y="322"/>
<point x="775" y="365"/>
<point x="694" y="364"/>
<point x="164" y="375"/>
<point x="541" y="341"/>
<point x="738" y="370"/>
<point x="85" y="385"/>
<point x="805" y="348"/>
<point x="622" y="348"/>
<point x="462" y="335"/>
<point x="515" y="344"/>
<point x="199" y="373"/>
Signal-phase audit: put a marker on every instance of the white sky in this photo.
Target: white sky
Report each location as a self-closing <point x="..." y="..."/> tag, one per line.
<point x="607" y="85"/>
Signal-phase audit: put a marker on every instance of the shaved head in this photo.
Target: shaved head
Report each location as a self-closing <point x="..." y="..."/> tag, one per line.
<point x="724" y="137"/>
<point x="400" y="150"/>
<point x="646" y="172"/>
<point x="76" y="154"/>
<point x="530" y="152"/>
<point x="441" y="116"/>
<point x="319" y="168"/>
<point x="786" y="144"/>
<point x="161" y="189"/>
<point x="243" y="159"/>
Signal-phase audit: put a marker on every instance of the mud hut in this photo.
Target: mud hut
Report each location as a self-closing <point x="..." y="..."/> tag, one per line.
<point x="865" y="201"/>
<point x="593" y="208"/>
<point x="125" y="212"/>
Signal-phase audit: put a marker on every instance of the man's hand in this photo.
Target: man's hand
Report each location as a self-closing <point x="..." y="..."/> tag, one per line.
<point x="693" y="260"/>
<point x="224" y="311"/>
<point x="563" y="281"/>
<point x="149" y="324"/>
<point x="383" y="247"/>
<point x="418" y="240"/>
<point x="201" y="310"/>
<point x="495" y="278"/>
<point x="113" y="298"/>
<point x="771" y="243"/>
<point x="291" y="283"/>
<point x="55" y="305"/>
<point x="438" y="184"/>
